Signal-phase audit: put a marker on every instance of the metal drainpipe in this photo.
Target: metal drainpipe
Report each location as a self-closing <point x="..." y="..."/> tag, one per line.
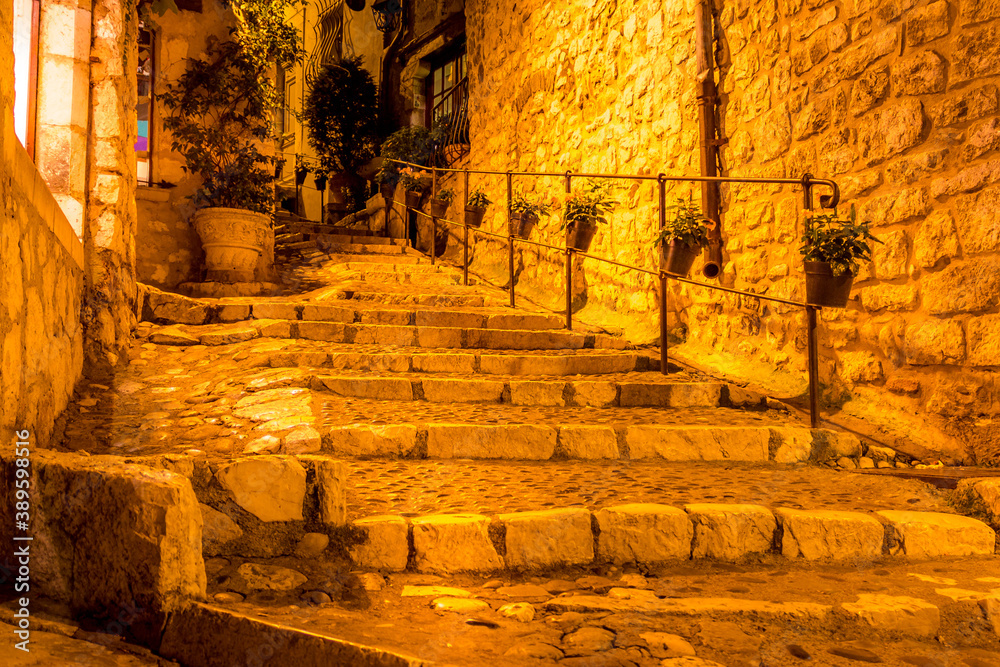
<point x="709" y="148"/>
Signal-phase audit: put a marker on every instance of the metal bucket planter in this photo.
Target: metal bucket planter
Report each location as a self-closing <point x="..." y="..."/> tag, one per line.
<point x="439" y="207"/>
<point x="678" y="257"/>
<point x="474" y="216"/>
<point x="414" y="198"/>
<point x="825" y="289"/>
<point x="233" y="239"/>
<point x="521" y="224"/>
<point x="580" y="233"/>
<point x="388" y="192"/>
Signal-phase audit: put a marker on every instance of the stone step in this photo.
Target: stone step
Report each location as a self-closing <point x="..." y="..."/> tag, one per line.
<point x="378" y="258"/>
<point x="350" y="248"/>
<point x="319" y="228"/>
<point x="369" y="295"/>
<point x="653" y="391"/>
<point x="398" y="336"/>
<point x="409" y="266"/>
<point x="392" y="278"/>
<point x="352" y="238"/>
<point x="423" y="361"/>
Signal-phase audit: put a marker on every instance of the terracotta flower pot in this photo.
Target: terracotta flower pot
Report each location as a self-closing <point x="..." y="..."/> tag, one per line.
<point x="388" y="191"/>
<point x="233" y="239"/>
<point x="414" y="198"/>
<point x="521" y="224"/>
<point x="474" y="216"/>
<point x="678" y="257"/>
<point x="825" y="289"/>
<point x="580" y="233"/>
<point x="439" y="207"/>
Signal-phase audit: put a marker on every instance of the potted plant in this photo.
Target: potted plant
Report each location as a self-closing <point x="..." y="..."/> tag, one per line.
<point x="832" y="247"/>
<point x="411" y="144"/>
<point x="320" y="179"/>
<point x="682" y="237"/>
<point x="219" y="115"/>
<point x="441" y="201"/>
<point x="301" y="171"/>
<point x="341" y="114"/>
<point x="524" y="214"/>
<point x="584" y="210"/>
<point x="475" y="207"/>
<point x="416" y="184"/>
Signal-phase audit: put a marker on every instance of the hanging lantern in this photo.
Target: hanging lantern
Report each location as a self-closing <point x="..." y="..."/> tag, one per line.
<point x="388" y="14"/>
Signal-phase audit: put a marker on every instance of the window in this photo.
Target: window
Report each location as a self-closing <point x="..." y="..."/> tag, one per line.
<point x="445" y="86"/>
<point x="25" y="71"/>
<point x="144" y="107"/>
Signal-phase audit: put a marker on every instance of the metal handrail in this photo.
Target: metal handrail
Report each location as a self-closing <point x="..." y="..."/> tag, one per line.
<point x="807" y="182"/>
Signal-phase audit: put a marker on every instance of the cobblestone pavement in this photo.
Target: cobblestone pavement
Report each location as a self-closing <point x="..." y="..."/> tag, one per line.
<point x="50" y="649"/>
<point x="425" y="487"/>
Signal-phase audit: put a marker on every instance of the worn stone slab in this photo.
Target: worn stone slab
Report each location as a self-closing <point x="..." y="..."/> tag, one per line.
<point x="650" y="604"/>
<point x="588" y="442"/>
<point x="332" y="332"/>
<point x="444" y="363"/>
<point x="460" y="605"/>
<point x="172" y="336"/>
<point x="229" y="335"/>
<point x="643" y="533"/>
<point x="271" y="488"/>
<point x="218" y="529"/>
<point x="698" y="443"/>
<point x="275" y="311"/>
<point x="385" y="545"/>
<point x="448" y="390"/>
<point x="433" y="592"/>
<point x="327" y="313"/>
<point x="659" y="394"/>
<point x="816" y="534"/>
<point x="233" y="313"/>
<point x="935" y="534"/>
<point x="983" y="491"/>
<point x="512" y="441"/>
<point x="537" y="392"/>
<point x="449" y="543"/>
<point x="378" y="334"/>
<point x="594" y="393"/>
<point x="430" y="318"/>
<point x="907" y="615"/>
<point x="503" y="339"/>
<point x="380" y="388"/>
<point x="590" y="364"/>
<point x="264" y="577"/>
<point x="363" y="441"/>
<point x="331" y="490"/>
<point x="730" y="532"/>
<point x="548" y="538"/>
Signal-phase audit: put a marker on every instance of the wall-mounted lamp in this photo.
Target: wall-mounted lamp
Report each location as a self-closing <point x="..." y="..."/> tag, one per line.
<point x="388" y="14"/>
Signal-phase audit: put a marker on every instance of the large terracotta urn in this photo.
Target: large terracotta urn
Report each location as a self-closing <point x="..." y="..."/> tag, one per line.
<point x="233" y="240"/>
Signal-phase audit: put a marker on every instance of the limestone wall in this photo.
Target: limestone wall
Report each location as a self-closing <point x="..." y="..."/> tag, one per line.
<point x="41" y="279"/>
<point x="896" y="99"/>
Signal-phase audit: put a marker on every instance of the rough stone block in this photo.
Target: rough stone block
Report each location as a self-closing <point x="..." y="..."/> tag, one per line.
<point x="439" y="337"/>
<point x="380" y="388"/>
<point x="325" y="313"/>
<point x="594" y="393"/>
<point x="386" y="545"/>
<point x="448" y="363"/>
<point x="730" y="532"/>
<point x="934" y="534"/>
<point x="828" y="445"/>
<point x="815" y="534"/>
<point x="537" y="392"/>
<point x="969" y="287"/>
<point x="587" y="442"/>
<point x="331" y="491"/>
<point x="697" y="443"/>
<point x="275" y="311"/>
<point x="217" y="529"/>
<point x="548" y="538"/>
<point x="430" y="318"/>
<point x="984" y="340"/>
<point x="448" y="543"/>
<point x="362" y="334"/>
<point x="513" y="441"/>
<point x="332" y="332"/>
<point x="233" y="313"/>
<point x="907" y="615"/>
<point x="643" y="533"/>
<point x="369" y="441"/>
<point x="448" y="390"/>
<point x="271" y="488"/>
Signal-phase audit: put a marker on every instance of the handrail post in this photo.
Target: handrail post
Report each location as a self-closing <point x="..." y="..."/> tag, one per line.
<point x="813" y="366"/>
<point x="434" y="220"/>
<point x="510" y="235"/>
<point x="465" y="239"/>
<point x="569" y="266"/>
<point x="664" y="345"/>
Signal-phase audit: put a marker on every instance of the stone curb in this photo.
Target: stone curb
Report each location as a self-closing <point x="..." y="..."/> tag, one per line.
<point x="202" y="635"/>
<point x="651" y="534"/>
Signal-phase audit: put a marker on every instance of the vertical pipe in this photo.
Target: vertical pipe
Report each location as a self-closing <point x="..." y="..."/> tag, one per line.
<point x="664" y="345"/>
<point x="707" y="95"/>
<point x="510" y="237"/>
<point x="465" y="239"/>
<point x="569" y="267"/>
<point x="434" y="220"/>
<point x="813" y="366"/>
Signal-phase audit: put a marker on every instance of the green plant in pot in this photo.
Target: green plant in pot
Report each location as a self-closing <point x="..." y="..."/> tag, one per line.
<point x="341" y="113"/>
<point x="584" y="210"/>
<point x="682" y="237"/>
<point x="441" y="201"/>
<point x="475" y="207"/>
<point x="525" y="213"/>
<point x="410" y="144"/>
<point x="416" y="183"/>
<point x="832" y="248"/>
<point x="219" y="118"/>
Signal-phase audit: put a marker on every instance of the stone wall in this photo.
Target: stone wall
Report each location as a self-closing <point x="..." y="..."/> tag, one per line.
<point x="168" y="251"/>
<point x="895" y="99"/>
<point x="41" y="341"/>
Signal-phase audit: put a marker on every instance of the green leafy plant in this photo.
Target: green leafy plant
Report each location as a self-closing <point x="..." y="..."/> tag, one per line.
<point x="445" y="195"/>
<point x="841" y="242"/>
<point x="478" y="199"/>
<point x="519" y="205"/>
<point x="341" y="112"/>
<point x="220" y="109"/>
<point x="593" y="201"/>
<point x="411" y="144"/>
<point x="414" y="181"/>
<point x="684" y="223"/>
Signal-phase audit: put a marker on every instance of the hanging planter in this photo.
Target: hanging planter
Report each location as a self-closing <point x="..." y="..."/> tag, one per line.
<point x="474" y="216"/>
<point x="831" y="248"/>
<point x="580" y="232"/>
<point x="279" y="166"/>
<point x="521" y="224"/>
<point x="678" y="257"/>
<point x="300" y="174"/>
<point x="682" y="237"/>
<point x="439" y="207"/>
<point x="414" y="198"/>
<point x="320" y="181"/>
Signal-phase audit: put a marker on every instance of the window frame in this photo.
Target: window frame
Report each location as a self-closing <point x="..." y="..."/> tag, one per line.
<point x="454" y="54"/>
<point x="146" y="155"/>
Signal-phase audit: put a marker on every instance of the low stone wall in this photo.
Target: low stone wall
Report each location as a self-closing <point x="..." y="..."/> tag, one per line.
<point x="113" y="540"/>
<point x="41" y="283"/>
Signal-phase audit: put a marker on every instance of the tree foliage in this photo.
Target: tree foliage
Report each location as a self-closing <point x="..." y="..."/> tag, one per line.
<point x="341" y="113"/>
